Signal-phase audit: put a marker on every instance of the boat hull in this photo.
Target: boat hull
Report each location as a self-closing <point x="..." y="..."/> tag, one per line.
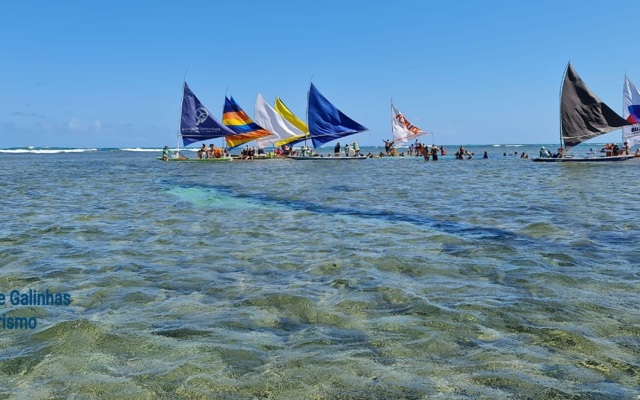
<point x="203" y="160"/>
<point x="586" y="159"/>
<point x="305" y="158"/>
<point x="237" y="158"/>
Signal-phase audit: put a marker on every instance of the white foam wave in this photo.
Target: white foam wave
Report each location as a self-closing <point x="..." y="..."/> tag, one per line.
<point x="44" y="151"/>
<point x="142" y="150"/>
<point x="139" y="149"/>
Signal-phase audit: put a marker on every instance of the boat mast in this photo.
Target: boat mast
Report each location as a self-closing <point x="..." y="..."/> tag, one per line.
<point x="307" y="116"/>
<point x="307" y="113"/>
<point x="392" y="117"/>
<point x="184" y="82"/>
<point x="624" y="88"/>
<point x="224" y="139"/>
<point x="560" y="113"/>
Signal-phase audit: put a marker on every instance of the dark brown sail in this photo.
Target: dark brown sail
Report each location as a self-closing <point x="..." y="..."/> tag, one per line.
<point x="584" y="115"/>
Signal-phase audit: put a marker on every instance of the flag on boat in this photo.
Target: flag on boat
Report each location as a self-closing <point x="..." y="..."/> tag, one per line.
<point x="196" y="122"/>
<point x="288" y="115"/>
<point x="326" y="122"/>
<point x="239" y="122"/>
<point x="401" y="128"/>
<point x="631" y="112"/>
<point x="275" y="123"/>
<point x="583" y="114"/>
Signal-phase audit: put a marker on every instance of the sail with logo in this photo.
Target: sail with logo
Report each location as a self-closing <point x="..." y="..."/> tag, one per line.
<point x="402" y="130"/>
<point x="196" y="125"/>
<point x="631" y="112"/>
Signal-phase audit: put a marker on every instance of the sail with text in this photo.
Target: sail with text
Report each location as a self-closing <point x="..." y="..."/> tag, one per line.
<point x="271" y="120"/>
<point x="631" y="112"/>
<point x="583" y="115"/>
<point x="288" y="115"/>
<point x="196" y="122"/>
<point x="326" y="122"/>
<point x="239" y="122"/>
<point x="402" y="130"/>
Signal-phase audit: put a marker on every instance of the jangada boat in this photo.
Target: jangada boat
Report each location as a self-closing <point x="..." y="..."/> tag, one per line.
<point x="331" y="158"/>
<point x="402" y="130"/>
<point x="631" y="112"/>
<point x="283" y="131"/>
<point x="327" y="123"/>
<point x="236" y="119"/>
<point x="583" y="116"/>
<point x="196" y="125"/>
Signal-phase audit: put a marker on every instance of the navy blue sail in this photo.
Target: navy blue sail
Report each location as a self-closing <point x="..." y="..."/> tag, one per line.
<point x="326" y="122"/>
<point x="196" y="123"/>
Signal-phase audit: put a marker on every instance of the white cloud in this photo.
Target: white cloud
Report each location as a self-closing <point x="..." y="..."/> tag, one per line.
<point x="75" y="124"/>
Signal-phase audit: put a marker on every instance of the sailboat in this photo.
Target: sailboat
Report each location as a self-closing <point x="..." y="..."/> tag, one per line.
<point x="241" y="124"/>
<point x="327" y="123"/>
<point x="197" y="124"/>
<point x="269" y="118"/>
<point x="631" y="112"/>
<point x="288" y="115"/>
<point x="583" y="116"/>
<point x="402" y="130"/>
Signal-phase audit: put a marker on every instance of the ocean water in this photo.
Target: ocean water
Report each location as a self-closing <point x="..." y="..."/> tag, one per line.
<point x="378" y="279"/>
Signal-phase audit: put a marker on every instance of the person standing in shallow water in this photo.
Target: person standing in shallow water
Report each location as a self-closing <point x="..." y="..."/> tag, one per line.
<point x="336" y="150"/>
<point x="434" y="153"/>
<point x="426" y="152"/>
<point x="387" y="146"/>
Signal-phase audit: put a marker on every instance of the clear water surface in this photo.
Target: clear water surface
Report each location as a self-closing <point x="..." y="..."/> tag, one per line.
<point x="384" y="278"/>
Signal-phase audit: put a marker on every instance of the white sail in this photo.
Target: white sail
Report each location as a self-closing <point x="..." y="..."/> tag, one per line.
<point x="631" y="112"/>
<point x="272" y="121"/>
<point x="403" y="131"/>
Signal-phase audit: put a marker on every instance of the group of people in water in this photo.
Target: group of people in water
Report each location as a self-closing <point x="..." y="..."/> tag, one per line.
<point x="432" y="152"/>
<point x="415" y="149"/>
<point x="428" y="152"/>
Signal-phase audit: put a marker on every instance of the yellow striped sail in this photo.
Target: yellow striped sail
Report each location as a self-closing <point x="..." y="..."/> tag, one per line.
<point x="283" y="110"/>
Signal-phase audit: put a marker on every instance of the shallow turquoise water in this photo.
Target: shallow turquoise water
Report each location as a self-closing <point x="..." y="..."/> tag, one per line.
<point x="383" y="278"/>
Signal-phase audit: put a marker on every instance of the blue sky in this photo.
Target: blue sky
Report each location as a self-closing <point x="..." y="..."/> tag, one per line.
<point x="109" y="74"/>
